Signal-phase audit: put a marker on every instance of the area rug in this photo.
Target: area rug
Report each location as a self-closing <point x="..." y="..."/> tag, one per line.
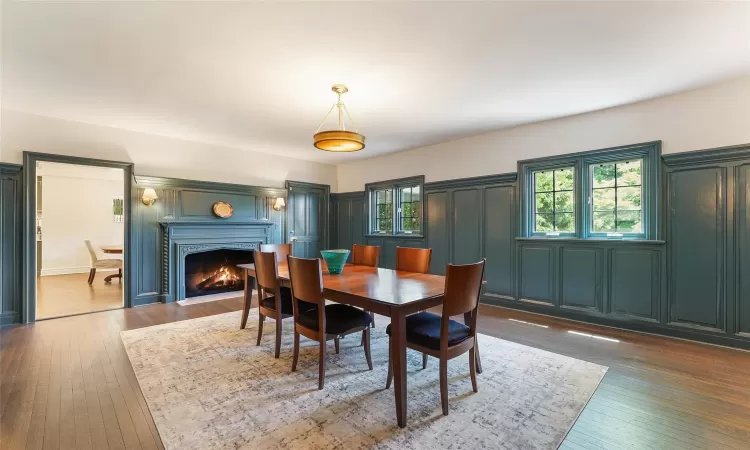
<point x="209" y="387"/>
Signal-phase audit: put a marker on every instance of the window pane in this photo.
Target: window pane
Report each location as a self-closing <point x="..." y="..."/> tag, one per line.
<point x="564" y="202"/>
<point x="564" y="179"/>
<point x="543" y="181"/>
<point x="564" y="222"/>
<point x="604" y="175"/>
<point x="544" y="222"/>
<point x="544" y="203"/>
<point x="629" y="173"/>
<point x="604" y="222"/>
<point x="604" y="199"/>
<point x="628" y="198"/>
<point x="629" y="221"/>
<point x="415" y="224"/>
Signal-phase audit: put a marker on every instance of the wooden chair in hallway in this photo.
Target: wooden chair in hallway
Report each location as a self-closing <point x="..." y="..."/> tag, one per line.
<point x="276" y="307"/>
<point x="438" y="335"/>
<point x="323" y="322"/>
<point x="104" y="264"/>
<point x="281" y="250"/>
<point x="366" y="255"/>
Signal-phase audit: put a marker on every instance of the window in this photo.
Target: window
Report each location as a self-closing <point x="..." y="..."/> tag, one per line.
<point x="602" y="194"/>
<point x="616" y="197"/>
<point x="554" y="201"/>
<point x="383" y="214"/>
<point x="409" y="209"/>
<point x="396" y="206"/>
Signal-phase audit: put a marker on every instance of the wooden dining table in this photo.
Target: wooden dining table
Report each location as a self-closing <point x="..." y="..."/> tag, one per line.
<point x="386" y="292"/>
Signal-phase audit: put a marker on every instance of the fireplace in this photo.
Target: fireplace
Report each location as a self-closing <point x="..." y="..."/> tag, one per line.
<point x="215" y="271"/>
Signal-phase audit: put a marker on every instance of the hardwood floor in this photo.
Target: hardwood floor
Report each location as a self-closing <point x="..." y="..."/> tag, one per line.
<point x="64" y="295"/>
<point x="67" y="383"/>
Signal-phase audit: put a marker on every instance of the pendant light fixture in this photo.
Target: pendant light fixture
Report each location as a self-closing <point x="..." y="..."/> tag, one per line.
<point x="341" y="139"/>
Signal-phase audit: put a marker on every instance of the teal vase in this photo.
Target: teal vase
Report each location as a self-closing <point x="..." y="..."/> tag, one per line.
<point x="335" y="260"/>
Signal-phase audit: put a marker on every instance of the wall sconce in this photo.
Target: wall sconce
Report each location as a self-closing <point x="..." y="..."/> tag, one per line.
<point x="280" y="203"/>
<point x="149" y="196"/>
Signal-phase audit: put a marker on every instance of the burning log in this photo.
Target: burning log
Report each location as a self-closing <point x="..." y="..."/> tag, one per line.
<point x="222" y="277"/>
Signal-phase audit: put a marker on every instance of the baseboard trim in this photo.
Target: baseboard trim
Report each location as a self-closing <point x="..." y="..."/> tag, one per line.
<point x="65" y="271"/>
<point x="628" y="325"/>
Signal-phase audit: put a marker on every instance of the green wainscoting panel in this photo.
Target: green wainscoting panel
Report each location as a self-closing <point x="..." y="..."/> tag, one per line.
<point x="697" y="246"/>
<point x="437" y="230"/>
<point x="582" y="278"/>
<point x="743" y="246"/>
<point x="635" y="286"/>
<point x="466" y="234"/>
<point x="498" y="235"/>
<point x="388" y="248"/>
<point x="197" y="205"/>
<point x="537" y="272"/>
<point x="11" y="237"/>
<point x="308" y="207"/>
<point x="348" y="219"/>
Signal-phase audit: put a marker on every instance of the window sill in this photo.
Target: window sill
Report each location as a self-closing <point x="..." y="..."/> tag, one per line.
<point x="597" y="240"/>
<point x="398" y="236"/>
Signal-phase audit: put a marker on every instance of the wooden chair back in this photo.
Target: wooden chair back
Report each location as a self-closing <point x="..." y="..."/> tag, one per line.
<point x="366" y="255"/>
<point x="306" y="277"/>
<point x="463" y="284"/>
<point x="413" y="259"/>
<point x="281" y="250"/>
<point x="265" y="270"/>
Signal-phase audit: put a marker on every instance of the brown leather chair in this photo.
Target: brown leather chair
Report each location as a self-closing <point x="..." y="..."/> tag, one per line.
<point x="322" y="322"/>
<point x="413" y="259"/>
<point x="281" y="250"/>
<point x="277" y="307"/>
<point x="366" y="255"/>
<point x="438" y="335"/>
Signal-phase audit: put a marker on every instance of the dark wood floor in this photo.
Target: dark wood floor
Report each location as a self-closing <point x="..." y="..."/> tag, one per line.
<point x="67" y="383"/>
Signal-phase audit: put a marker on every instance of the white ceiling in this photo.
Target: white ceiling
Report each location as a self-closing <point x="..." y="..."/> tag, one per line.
<point x="256" y="76"/>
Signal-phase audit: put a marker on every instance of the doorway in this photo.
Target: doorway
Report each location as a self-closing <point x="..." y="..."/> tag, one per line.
<point x="77" y="218"/>
<point x="307" y="218"/>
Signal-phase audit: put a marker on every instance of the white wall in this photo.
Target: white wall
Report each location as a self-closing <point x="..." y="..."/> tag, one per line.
<point x="154" y="155"/>
<point x="714" y="116"/>
<point x="77" y="205"/>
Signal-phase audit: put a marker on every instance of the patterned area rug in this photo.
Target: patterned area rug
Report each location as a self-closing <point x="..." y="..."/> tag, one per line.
<point x="209" y="387"/>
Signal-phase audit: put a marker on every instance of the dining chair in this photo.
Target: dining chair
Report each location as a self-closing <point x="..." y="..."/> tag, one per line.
<point x="281" y="250"/>
<point x="444" y="338"/>
<point x="104" y="264"/>
<point x="415" y="260"/>
<point x="366" y="255"/>
<point x="322" y="322"/>
<point x="277" y="307"/>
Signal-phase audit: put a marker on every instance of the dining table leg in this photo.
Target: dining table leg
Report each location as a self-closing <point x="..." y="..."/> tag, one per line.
<point x="398" y="359"/>
<point x="248" y="299"/>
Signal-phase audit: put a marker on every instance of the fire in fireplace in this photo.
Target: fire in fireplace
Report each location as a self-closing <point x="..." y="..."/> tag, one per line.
<point x="215" y="272"/>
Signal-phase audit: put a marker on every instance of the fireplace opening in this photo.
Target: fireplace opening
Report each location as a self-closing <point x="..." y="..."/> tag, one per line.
<point x="215" y="272"/>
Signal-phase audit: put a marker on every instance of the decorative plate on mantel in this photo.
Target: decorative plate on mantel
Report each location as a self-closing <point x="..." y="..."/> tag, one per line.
<point x="223" y="210"/>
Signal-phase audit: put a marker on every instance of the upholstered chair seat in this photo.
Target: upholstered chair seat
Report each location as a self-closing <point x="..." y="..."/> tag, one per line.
<point x="339" y="318"/>
<point x="424" y="329"/>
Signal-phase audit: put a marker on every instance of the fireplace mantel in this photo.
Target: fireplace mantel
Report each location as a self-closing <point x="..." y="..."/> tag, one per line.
<point x="181" y="238"/>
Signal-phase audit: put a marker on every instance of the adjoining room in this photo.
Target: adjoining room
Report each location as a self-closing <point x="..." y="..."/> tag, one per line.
<point x="375" y="225"/>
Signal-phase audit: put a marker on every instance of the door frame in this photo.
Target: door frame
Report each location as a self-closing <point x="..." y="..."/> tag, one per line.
<point x="28" y="270"/>
<point x="288" y="185"/>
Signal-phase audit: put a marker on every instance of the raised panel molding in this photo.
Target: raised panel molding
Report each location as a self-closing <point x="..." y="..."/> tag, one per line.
<point x="697" y="234"/>
<point x="498" y="234"/>
<point x="11" y="236"/>
<point x="466" y="233"/>
<point x="742" y="269"/>
<point x="437" y="230"/>
<point x="537" y="273"/>
<point x="635" y="283"/>
<point x="581" y="278"/>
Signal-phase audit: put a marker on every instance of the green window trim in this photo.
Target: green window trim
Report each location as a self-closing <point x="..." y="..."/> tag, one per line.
<point x="583" y="164"/>
<point x="396" y="207"/>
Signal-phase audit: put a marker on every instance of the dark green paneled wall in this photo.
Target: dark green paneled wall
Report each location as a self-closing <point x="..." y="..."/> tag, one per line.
<point x="695" y="284"/>
<point x="11" y="233"/>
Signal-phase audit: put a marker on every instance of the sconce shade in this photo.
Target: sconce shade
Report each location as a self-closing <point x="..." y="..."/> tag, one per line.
<point x="149" y="196"/>
<point x="280" y="203"/>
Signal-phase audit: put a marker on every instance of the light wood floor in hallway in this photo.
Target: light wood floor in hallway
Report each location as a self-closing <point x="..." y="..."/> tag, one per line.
<point x="64" y="295"/>
<point x="67" y="383"/>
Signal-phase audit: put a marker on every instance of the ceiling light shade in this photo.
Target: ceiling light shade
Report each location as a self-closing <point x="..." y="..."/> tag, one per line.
<point x="341" y="139"/>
